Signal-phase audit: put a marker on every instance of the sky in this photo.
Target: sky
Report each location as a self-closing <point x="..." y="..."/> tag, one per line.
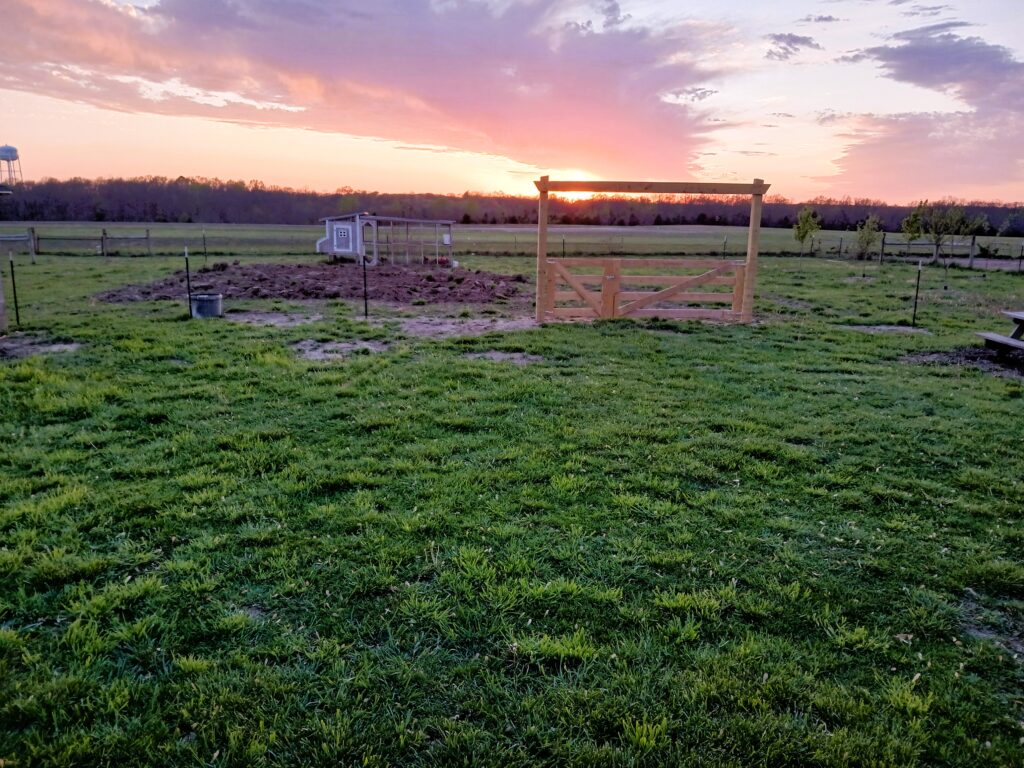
<point x="898" y="100"/>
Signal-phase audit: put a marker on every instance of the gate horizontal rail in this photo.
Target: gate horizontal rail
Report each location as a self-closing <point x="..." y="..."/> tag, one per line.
<point x="613" y="293"/>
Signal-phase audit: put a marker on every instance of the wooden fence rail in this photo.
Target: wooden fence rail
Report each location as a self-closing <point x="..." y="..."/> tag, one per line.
<point x="565" y="294"/>
<point x="103" y="241"/>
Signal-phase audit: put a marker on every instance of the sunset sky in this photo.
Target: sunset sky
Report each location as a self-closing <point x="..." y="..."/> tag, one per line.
<point x="891" y="99"/>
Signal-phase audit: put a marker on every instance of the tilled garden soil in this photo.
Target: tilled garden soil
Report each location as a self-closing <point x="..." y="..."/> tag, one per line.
<point x="398" y="284"/>
<point x="1007" y="365"/>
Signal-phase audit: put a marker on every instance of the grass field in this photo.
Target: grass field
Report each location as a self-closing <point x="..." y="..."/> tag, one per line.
<point x="666" y="544"/>
<point x="228" y="239"/>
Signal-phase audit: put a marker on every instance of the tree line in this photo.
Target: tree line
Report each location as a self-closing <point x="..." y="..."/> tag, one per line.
<point x="201" y="200"/>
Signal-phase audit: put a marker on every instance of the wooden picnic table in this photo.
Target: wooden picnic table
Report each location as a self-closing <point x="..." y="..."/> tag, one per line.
<point x="1015" y="341"/>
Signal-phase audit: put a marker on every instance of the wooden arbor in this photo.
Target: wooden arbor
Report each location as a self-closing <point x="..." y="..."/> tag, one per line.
<point x="676" y="299"/>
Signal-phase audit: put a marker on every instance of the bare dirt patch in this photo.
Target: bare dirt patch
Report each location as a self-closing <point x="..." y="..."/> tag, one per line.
<point x="1006" y="365"/>
<point x="275" y="319"/>
<point x="25" y="345"/>
<point x="310" y="349"/>
<point x="516" y="358"/>
<point x="387" y="283"/>
<point x="884" y="329"/>
<point x="995" y="625"/>
<point x="788" y="303"/>
<point x="451" y="327"/>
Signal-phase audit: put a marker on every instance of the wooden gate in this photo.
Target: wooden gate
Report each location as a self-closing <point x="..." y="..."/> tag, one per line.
<point x="641" y="288"/>
<point x="622" y="289"/>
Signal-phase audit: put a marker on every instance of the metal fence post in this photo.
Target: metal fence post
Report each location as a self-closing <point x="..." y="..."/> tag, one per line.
<point x="3" y="306"/>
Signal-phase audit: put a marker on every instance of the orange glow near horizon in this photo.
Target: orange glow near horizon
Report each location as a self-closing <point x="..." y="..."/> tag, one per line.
<point x="108" y="144"/>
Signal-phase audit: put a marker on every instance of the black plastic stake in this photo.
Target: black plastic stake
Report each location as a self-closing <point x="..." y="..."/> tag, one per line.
<point x="14" y="290"/>
<point x="917" y="291"/>
<point x="188" y="283"/>
<point x="366" y="303"/>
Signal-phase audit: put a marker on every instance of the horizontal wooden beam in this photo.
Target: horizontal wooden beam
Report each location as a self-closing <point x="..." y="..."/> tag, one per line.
<point x="572" y="313"/>
<point x="629" y="263"/>
<point x="645" y="280"/>
<point x="655" y="187"/>
<point x="689" y="313"/>
<point x="680" y="298"/>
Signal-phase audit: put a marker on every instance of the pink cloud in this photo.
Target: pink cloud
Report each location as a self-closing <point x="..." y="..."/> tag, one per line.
<point x="511" y="79"/>
<point x="919" y="156"/>
<point x="974" y="152"/>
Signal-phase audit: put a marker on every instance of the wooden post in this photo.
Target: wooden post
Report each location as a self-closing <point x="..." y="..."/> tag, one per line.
<point x="103" y="242"/>
<point x="610" y="288"/>
<point x="974" y="243"/>
<point x="737" y="291"/>
<point x="549" y="292"/>
<point x="149" y="243"/>
<point x="881" y="251"/>
<point x="753" y="242"/>
<point x="542" y="248"/>
<point x="32" y="242"/>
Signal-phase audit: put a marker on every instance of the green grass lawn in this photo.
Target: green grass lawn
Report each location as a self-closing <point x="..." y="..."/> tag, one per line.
<point x="667" y="544"/>
<point x="470" y="240"/>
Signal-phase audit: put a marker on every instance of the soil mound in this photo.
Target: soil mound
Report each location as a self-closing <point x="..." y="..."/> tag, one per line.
<point x="390" y="283"/>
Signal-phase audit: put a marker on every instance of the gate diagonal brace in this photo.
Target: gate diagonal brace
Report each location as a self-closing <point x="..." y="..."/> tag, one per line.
<point x="672" y="290"/>
<point x="592" y="299"/>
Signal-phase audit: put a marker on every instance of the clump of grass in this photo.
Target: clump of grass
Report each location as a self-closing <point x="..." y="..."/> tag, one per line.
<point x="575" y="647"/>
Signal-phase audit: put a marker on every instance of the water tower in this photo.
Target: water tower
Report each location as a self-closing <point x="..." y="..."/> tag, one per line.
<point x="10" y="166"/>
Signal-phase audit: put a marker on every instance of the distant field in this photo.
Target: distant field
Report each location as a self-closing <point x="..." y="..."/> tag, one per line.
<point x="228" y="239"/>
